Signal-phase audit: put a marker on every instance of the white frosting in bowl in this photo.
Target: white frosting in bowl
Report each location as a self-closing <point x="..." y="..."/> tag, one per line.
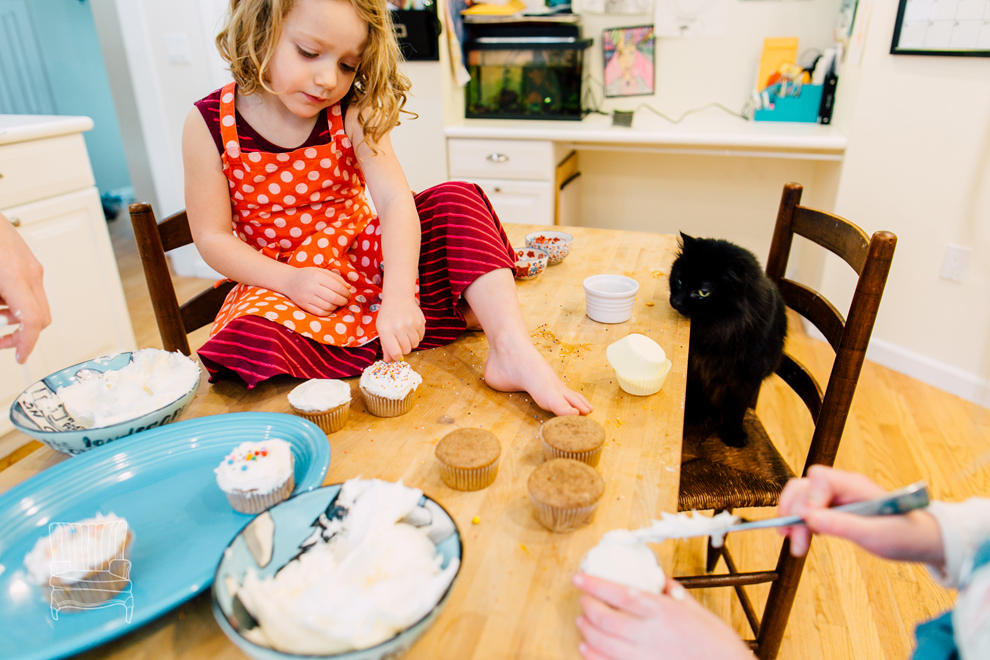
<point x="392" y="380"/>
<point x="90" y="543"/>
<point x="319" y="395"/>
<point x="375" y="577"/>
<point x="150" y="381"/>
<point x="255" y="467"/>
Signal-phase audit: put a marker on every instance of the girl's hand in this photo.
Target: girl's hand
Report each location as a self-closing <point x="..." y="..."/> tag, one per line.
<point x="622" y="623"/>
<point x="401" y="327"/>
<point x="914" y="536"/>
<point x="22" y="291"/>
<point x="316" y="290"/>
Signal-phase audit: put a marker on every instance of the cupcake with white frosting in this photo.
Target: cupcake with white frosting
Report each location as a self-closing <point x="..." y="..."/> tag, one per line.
<point x="324" y="402"/>
<point x="87" y="561"/>
<point x="257" y="475"/>
<point x="389" y="388"/>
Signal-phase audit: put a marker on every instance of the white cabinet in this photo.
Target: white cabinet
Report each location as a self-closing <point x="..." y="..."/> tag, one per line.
<point x="517" y="175"/>
<point x="47" y="192"/>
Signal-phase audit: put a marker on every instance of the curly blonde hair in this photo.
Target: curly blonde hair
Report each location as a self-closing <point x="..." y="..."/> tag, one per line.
<point x="253" y="27"/>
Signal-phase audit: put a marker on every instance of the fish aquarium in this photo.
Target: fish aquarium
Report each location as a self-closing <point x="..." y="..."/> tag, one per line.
<point x="524" y="71"/>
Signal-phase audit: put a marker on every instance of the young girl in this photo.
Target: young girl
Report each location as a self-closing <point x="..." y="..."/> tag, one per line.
<point x="324" y="286"/>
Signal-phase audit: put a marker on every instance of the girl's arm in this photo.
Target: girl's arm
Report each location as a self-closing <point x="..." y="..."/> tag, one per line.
<point x="315" y="290"/>
<point x="401" y="324"/>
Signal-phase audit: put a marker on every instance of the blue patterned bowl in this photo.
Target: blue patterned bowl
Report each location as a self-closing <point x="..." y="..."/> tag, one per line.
<point x="39" y="412"/>
<point x="556" y="244"/>
<point x="530" y="262"/>
<point x="281" y="530"/>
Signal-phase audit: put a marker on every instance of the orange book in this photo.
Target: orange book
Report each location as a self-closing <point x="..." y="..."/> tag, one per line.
<point x="776" y="51"/>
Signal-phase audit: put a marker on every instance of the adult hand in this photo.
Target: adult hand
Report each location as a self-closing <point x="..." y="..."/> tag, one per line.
<point x="622" y="623"/>
<point x="22" y="291"/>
<point x="401" y="326"/>
<point x="914" y="536"/>
<point x="316" y="290"/>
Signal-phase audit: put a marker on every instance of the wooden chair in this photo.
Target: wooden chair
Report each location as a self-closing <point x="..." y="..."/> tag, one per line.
<point x="720" y="478"/>
<point x="154" y="240"/>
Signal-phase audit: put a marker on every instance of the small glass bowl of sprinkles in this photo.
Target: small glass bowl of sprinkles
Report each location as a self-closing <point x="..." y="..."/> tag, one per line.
<point x="556" y="244"/>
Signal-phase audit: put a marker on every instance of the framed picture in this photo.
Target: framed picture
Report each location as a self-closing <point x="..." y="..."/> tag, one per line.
<point x="629" y="55"/>
<point x="936" y="27"/>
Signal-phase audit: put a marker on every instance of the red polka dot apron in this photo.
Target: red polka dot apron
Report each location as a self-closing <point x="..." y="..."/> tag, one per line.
<point x="305" y="208"/>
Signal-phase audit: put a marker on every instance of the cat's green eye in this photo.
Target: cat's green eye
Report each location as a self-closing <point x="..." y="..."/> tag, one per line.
<point x="703" y="293"/>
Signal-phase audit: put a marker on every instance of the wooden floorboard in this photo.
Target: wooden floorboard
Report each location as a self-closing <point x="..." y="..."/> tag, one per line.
<point x="850" y="605"/>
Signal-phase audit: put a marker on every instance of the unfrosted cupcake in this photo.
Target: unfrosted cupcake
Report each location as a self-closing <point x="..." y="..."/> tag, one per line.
<point x="324" y="402"/>
<point x="87" y="561"/>
<point x="389" y="388"/>
<point x="468" y="458"/>
<point x="257" y="475"/>
<point x="574" y="437"/>
<point x="565" y="493"/>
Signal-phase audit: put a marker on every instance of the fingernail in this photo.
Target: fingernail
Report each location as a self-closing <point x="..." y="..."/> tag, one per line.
<point x="582" y="648"/>
<point x="678" y="592"/>
<point x="577" y="580"/>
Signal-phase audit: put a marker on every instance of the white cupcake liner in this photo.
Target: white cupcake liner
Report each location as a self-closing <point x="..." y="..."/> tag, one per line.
<point x="97" y="585"/>
<point x="253" y="502"/>
<point x="563" y="520"/>
<point x="468" y="478"/>
<point x="640" y="364"/>
<point x="380" y="406"/>
<point x="591" y="457"/>
<point x="329" y="421"/>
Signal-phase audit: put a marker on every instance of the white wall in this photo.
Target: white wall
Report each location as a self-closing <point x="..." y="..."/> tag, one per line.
<point x="918" y="164"/>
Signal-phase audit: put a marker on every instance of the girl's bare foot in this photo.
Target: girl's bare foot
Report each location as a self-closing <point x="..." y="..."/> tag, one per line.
<point x="514" y="365"/>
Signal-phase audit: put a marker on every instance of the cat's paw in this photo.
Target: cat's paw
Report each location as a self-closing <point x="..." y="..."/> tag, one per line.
<point x="734" y="438"/>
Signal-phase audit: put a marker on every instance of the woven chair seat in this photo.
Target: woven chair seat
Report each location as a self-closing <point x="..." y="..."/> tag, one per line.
<point x="717" y="477"/>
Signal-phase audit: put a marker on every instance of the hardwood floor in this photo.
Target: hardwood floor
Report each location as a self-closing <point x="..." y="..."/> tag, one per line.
<point x="850" y="606"/>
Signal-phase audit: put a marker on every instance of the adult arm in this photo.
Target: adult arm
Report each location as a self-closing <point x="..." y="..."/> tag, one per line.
<point x="315" y="290"/>
<point x="401" y="324"/>
<point x="22" y="291"/>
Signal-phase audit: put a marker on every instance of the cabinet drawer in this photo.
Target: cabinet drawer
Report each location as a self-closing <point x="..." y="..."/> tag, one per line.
<point x="39" y="169"/>
<point x="500" y="159"/>
<point x="520" y="202"/>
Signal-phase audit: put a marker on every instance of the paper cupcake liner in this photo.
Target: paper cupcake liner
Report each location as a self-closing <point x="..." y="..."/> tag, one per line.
<point x="329" y="421"/>
<point x="468" y="478"/>
<point x="97" y="585"/>
<point x="563" y="520"/>
<point x="380" y="406"/>
<point x="644" y="387"/>
<point x="591" y="457"/>
<point x="251" y="502"/>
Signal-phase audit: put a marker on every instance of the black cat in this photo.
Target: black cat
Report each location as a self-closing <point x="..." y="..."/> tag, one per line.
<point x="738" y="325"/>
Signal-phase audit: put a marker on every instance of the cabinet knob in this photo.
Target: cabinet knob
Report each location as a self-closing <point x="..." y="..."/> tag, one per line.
<point x="498" y="189"/>
<point x="497" y="158"/>
<point x="16" y="222"/>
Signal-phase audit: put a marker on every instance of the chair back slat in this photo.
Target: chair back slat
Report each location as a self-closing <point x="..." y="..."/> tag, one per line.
<point x="175" y="231"/>
<point x="833" y="233"/>
<point x="799" y="378"/>
<point x="813" y="306"/>
<point x="202" y="310"/>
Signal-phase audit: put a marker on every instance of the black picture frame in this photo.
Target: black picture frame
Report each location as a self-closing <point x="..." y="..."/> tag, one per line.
<point x="912" y="23"/>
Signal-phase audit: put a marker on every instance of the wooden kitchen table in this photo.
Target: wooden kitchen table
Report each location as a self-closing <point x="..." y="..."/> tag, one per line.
<point x="513" y="597"/>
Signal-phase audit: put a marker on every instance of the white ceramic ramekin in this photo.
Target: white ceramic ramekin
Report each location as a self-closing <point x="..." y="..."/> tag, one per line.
<point x="609" y="298"/>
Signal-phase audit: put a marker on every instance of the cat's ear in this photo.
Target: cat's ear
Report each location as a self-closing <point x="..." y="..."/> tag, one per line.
<point x="686" y="240"/>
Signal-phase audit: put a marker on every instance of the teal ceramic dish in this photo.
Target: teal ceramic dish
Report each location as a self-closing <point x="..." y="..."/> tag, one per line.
<point x="162" y="483"/>
<point x="291" y="523"/>
<point x="39" y="412"/>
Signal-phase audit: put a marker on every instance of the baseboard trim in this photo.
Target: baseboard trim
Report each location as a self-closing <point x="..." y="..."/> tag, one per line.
<point x="945" y="377"/>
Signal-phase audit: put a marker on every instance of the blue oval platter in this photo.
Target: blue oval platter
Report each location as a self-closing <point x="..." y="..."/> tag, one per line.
<point x="162" y="483"/>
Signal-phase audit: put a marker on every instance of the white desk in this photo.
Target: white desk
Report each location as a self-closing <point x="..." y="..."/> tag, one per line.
<point x="516" y="160"/>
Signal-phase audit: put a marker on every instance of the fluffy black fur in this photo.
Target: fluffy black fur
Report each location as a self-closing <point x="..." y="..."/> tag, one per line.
<point x="738" y="325"/>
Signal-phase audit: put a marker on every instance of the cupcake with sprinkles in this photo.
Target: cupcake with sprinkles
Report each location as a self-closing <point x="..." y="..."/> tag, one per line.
<point x="257" y="475"/>
<point x="389" y="388"/>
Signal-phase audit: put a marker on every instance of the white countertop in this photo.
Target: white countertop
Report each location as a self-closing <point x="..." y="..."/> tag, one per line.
<point x="19" y="128"/>
<point x="698" y="132"/>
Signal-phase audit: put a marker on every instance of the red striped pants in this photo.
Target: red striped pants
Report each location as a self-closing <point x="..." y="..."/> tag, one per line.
<point x="462" y="240"/>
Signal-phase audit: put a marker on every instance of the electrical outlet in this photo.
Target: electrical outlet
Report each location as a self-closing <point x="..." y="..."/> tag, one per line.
<point x="954" y="264"/>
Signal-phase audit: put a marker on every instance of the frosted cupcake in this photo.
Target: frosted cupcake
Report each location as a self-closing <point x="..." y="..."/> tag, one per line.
<point x="389" y="388"/>
<point x="257" y="475"/>
<point x="565" y="494"/>
<point x="574" y="437"/>
<point x="87" y="561"/>
<point x="326" y="403"/>
<point x="468" y="458"/>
